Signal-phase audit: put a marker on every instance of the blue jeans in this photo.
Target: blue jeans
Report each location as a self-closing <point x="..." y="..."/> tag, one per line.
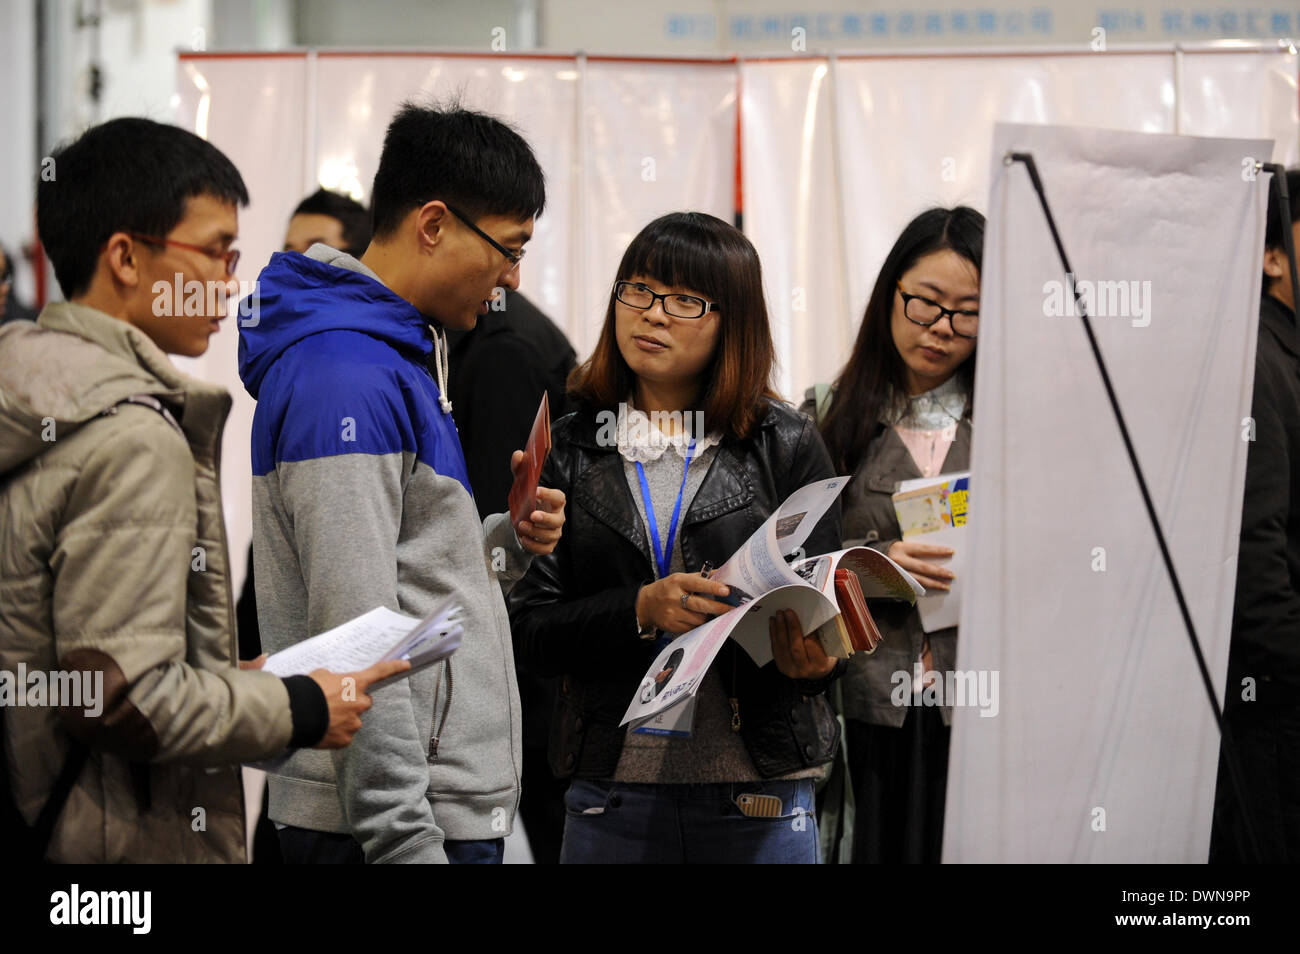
<point x="488" y="851"/>
<point x="304" y="846"/>
<point x="622" y="823"/>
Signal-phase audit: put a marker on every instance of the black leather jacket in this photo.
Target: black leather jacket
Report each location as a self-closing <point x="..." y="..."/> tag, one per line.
<point x="574" y="612"/>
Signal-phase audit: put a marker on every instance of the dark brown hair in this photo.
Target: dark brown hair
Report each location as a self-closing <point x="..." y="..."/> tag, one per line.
<point x="874" y="381"/>
<point x="697" y="251"/>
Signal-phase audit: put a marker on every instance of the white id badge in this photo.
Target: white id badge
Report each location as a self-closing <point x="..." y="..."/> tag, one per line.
<point x="675" y="721"/>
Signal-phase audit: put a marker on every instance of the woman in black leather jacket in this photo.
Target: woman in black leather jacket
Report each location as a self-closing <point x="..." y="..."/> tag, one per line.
<point x="678" y="452"/>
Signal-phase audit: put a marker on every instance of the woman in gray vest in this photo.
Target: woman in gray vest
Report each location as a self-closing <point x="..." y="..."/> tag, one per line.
<point x="901" y="409"/>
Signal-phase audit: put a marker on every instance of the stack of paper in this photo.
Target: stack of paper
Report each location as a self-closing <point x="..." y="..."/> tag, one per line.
<point x="378" y="635"/>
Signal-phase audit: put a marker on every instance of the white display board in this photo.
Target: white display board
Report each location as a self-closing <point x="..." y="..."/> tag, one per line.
<point x="1104" y="747"/>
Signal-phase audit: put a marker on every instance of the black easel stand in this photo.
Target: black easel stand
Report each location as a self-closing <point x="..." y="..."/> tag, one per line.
<point x="1234" y="769"/>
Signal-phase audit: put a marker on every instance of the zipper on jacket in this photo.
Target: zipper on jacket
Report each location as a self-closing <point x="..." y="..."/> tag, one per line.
<point x="229" y="588"/>
<point x="735" y="702"/>
<point x="446" y="709"/>
<point x="141" y="785"/>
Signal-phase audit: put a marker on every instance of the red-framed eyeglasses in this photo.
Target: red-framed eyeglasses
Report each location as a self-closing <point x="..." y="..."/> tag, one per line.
<point x="231" y="256"/>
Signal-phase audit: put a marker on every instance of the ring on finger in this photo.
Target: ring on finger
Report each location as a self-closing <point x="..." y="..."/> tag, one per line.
<point x="685" y="597"/>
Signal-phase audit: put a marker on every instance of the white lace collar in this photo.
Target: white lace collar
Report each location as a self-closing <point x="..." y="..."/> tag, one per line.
<point x="936" y="409"/>
<point x="640" y="439"/>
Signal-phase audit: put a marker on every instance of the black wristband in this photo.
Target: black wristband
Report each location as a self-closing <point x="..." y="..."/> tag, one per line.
<point x="815" y="687"/>
<point x="309" y="710"/>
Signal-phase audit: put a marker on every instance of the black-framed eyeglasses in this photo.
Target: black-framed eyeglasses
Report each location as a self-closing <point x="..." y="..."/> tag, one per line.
<point x="636" y="295"/>
<point x="924" y="312"/>
<point x="230" y="256"/>
<point x="514" y="258"/>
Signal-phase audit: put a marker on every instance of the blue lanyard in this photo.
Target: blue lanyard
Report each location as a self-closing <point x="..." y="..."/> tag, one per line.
<point x="663" y="559"/>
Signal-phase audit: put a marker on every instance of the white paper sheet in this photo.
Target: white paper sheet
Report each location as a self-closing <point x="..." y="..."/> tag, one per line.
<point x="356" y="644"/>
<point x="365" y="640"/>
<point x="374" y="636"/>
<point x="679" y="668"/>
<point x="758" y="566"/>
<point x="942" y="608"/>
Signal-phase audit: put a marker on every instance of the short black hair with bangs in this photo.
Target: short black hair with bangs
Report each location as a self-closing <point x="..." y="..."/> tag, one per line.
<point x="703" y="253"/>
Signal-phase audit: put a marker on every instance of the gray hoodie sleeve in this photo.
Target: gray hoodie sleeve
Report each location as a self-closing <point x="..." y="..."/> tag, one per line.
<point x="345" y="512"/>
<point x="508" y="559"/>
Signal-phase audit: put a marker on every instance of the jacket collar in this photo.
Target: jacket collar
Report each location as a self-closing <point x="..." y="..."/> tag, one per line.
<point x="118" y="338"/>
<point x="602" y="491"/>
<point x="200" y="407"/>
<point x="597" y="429"/>
<point x="1278" y="318"/>
<point x="602" y="488"/>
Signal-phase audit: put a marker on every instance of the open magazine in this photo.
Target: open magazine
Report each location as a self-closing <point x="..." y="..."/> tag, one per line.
<point x="664" y="702"/>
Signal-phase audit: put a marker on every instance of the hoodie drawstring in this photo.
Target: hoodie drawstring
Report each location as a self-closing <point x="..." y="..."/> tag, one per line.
<point x="440" y="364"/>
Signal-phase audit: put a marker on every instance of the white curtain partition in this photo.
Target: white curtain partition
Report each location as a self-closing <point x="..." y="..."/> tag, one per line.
<point x="836" y="155"/>
<point x="839" y="154"/>
<point x="1099" y="744"/>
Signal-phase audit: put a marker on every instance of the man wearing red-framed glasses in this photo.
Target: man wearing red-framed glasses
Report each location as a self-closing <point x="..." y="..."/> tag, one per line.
<point x="116" y="579"/>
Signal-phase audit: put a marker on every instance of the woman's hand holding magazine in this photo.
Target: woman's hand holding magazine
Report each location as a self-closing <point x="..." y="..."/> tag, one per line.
<point x="781" y="622"/>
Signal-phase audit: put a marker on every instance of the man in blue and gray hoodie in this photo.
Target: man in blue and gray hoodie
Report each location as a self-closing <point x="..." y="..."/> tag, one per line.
<point x="361" y="497"/>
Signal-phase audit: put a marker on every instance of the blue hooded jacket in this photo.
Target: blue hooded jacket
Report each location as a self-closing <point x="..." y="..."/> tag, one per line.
<point x="318" y="324"/>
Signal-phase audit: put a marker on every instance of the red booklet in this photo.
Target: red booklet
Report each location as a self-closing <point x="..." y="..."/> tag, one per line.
<point x="523" y="492"/>
<point x="863" y="634"/>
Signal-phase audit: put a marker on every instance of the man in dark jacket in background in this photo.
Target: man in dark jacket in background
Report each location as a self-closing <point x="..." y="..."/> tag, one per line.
<point x="1262" y="702"/>
<point x="329" y="218"/>
<point x="495" y="407"/>
<point x="494" y="411"/>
